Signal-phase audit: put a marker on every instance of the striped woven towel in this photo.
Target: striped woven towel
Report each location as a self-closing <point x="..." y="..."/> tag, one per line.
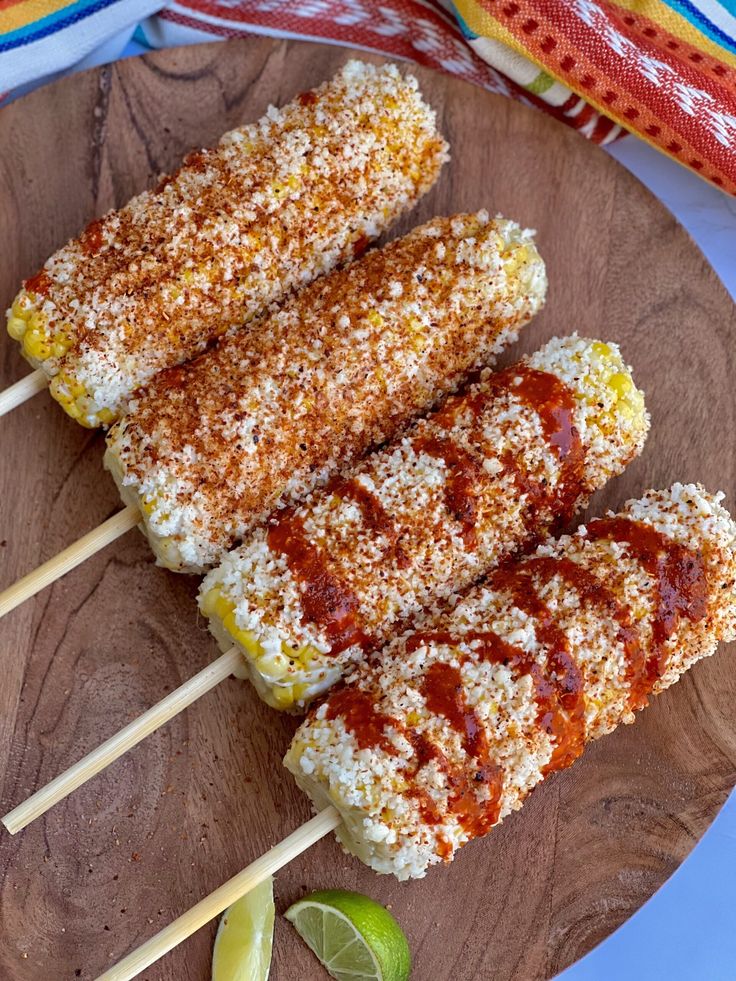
<point x="663" y="69"/>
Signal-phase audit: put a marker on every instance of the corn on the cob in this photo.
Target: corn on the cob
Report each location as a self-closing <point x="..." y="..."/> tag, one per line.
<point x="208" y="450"/>
<point x="454" y="724"/>
<point x="421" y="520"/>
<point x="274" y="205"/>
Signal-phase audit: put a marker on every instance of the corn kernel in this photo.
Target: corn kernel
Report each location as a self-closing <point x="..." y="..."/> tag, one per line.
<point x="36" y="346"/>
<point x="38" y="322"/>
<point x="105" y="416"/>
<point x="300" y="692"/>
<point x="208" y="601"/>
<point x="168" y="549"/>
<point x="228" y="622"/>
<point x="249" y="642"/>
<point x="223" y="606"/>
<point x="63" y="386"/>
<point x="307" y="654"/>
<point x="621" y="384"/>
<point x="273" y="666"/>
<point x="90" y="422"/>
<point x="514" y="258"/>
<point x="283" y="696"/>
<point x="375" y="318"/>
<point x="22" y="305"/>
<point x="16" y="328"/>
<point x="601" y="349"/>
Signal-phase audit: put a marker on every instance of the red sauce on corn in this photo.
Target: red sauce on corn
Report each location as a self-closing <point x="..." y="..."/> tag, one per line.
<point x="425" y="751"/>
<point x="91" y="238"/>
<point x="325" y="599"/>
<point x="554" y="402"/>
<point x="307" y="98"/>
<point x="565" y="721"/>
<point x="462" y="483"/>
<point x="679" y="581"/>
<point x="590" y="589"/>
<point x="442" y="688"/>
<point x="361" y="717"/>
<point x="553" y="715"/>
<point x="40" y="283"/>
<point x="375" y="515"/>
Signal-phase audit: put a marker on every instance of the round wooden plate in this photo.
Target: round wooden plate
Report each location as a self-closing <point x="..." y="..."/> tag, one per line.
<point x="200" y="799"/>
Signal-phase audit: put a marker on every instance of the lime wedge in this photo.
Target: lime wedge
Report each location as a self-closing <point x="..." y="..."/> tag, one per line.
<point x="354" y="937"/>
<point x="245" y="937"/>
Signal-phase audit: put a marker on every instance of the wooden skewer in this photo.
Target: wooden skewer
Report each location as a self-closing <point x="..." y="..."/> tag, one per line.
<point x="126" y="739"/>
<point x="274" y="859"/>
<point x="69" y="559"/>
<point x="22" y="390"/>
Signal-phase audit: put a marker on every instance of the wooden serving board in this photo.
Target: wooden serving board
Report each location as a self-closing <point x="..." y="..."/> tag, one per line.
<point x="200" y="799"/>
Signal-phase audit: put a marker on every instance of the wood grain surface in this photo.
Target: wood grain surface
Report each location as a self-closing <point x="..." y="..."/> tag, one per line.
<point x="203" y="797"/>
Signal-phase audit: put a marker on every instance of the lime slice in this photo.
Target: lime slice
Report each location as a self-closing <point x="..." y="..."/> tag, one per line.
<point x="354" y="937"/>
<point x="245" y="937"/>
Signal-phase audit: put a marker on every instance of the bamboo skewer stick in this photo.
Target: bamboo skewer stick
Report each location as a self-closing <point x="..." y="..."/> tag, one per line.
<point x="69" y="559"/>
<point x="22" y="390"/>
<point x="219" y="900"/>
<point x="121" y="742"/>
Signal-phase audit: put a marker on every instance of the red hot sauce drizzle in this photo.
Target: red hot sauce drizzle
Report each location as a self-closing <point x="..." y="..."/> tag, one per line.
<point x="591" y="590"/>
<point x="361" y="717"/>
<point x="680" y="584"/>
<point x="375" y="516"/>
<point x="326" y="600"/>
<point x="562" y="685"/>
<point x="489" y="647"/>
<point x="462" y="482"/>
<point x="442" y="688"/>
<point x="554" y="402"/>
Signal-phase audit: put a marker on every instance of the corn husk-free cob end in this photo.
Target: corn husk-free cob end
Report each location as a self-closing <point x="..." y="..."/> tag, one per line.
<point x="633" y="600"/>
<point x="251" y="600"/>
<point x="276" y="204"/>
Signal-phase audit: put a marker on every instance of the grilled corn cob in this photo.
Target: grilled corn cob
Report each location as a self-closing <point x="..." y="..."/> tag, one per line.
<point x="454" y="724"/>
<point x="424" y="518"/>
<point x="274" y="205"/>
<point x="209" y="450"/>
